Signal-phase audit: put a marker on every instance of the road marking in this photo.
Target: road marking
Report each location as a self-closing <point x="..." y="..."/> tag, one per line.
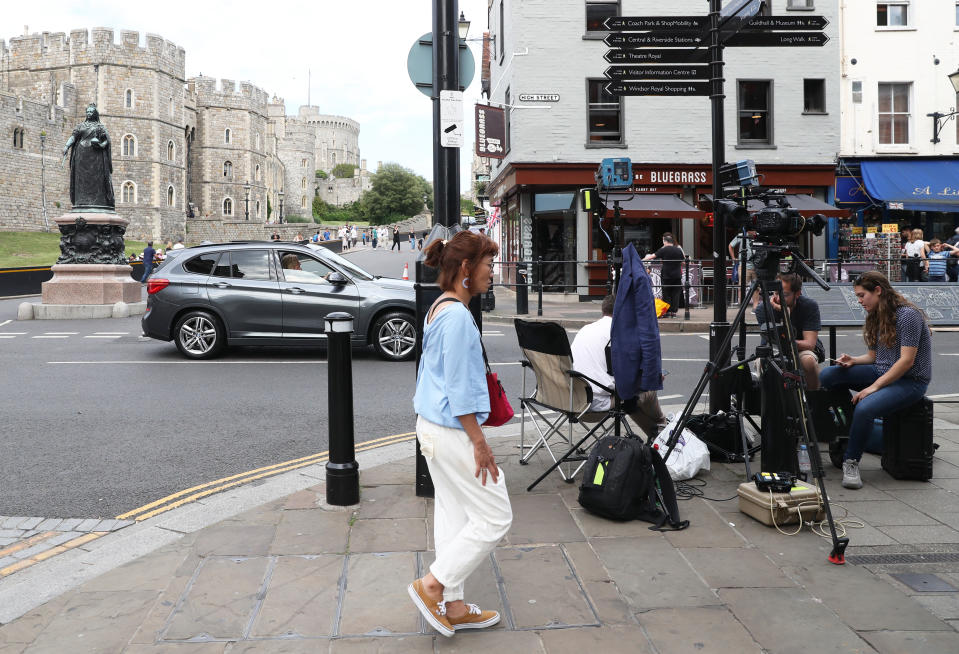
<point x="50" y="336"/>
<point x="693" y="360"/>
<point x="61" y="333"/>
<point x="8" y="335"/>
<point x="943" y="396"/>
<point x="144" y="512"/>
<point x="111" y="333"/>
<point x="669" y="397"/>
<point x="16" y="333"/>
<point x="506" y="363"/>
<point x="103" y="336"/>
<point x="5" y="322"/>
<point x="949" y="354"/>
<point x="703" y="336"/>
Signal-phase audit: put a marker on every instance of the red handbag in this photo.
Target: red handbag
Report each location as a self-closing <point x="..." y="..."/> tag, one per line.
<point x="500" y="410"/>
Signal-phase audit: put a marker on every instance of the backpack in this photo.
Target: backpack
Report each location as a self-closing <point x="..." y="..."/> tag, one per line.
<point x="625" y="479"/>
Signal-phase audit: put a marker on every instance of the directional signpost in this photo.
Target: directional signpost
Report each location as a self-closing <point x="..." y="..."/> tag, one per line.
<point x="657" y="72"/>
<point x="798" y="23"/>
<point x="665" y="39"/>
<point x="778" y="39"/>
<point x="651" y="56"/>
<point x="658" y="88"/>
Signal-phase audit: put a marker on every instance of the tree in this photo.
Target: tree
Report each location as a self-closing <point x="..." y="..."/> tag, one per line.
<point x="466" y="206"/>
<point x="396" y="193"/>
<point x="321" y="174"/>
<point x="344" y="171"/>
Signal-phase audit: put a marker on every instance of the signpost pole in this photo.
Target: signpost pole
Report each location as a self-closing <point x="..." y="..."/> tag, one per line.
<point x="446" y="162"/>
<point x="719" y="327"/>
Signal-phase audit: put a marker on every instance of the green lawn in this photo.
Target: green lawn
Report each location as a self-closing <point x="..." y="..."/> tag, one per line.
<point x="24" y="249"/>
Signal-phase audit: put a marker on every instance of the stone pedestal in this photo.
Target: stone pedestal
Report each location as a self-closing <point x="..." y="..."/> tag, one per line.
<point x="91" y="268"/>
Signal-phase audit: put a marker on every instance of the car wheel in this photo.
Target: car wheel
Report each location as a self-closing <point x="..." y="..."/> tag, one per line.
<point x="199" y="335"/>
<point x="394" y="336"/>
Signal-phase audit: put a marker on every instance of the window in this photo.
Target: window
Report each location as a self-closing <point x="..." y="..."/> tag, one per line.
<point x="857" y="92"/>
<point x="302" y="163"/>
<point x="249" y="264"/>
<point x="203" y="264"/>
<point x="227" y="207"/>
<point x="311" y="270"/>
<point x="256" y="173"/>
<point x="303" y="202"/>
<point x="604" y="113"/>
<point x="814" y="96"/>
<point x="303" y="183"/>
<point x="170" y="151"/>
<point x="502" y="29"/>
<point x="128" y="192"/>
<point x="597" y="12"/>
<point x="333" y="158"/>
<point x="755" y="112"/>
<point x="170" y="196"/>
<point x="894" y="113"/>
<point x="228" y="169"/>
<point x="800" y="4"/>
<point x="128" y="99"/>
<point x="172" y="108"/>
<point x="892" y="14"/>
<point x="129" y="145"/>
<point x="256" y="211"/>
<point x="227" y="135"/>
<point x="256" y="140"/>
<point x="18" y="138"/>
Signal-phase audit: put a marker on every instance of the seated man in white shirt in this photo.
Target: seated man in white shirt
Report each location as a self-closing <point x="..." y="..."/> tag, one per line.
<point x="589" y="358"/>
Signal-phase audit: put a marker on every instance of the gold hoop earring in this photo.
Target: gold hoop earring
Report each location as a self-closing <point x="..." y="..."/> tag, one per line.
<point x="466" y="282"/>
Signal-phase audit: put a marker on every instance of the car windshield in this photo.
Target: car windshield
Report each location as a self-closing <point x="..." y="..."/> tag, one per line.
<point x="342" y="262"/>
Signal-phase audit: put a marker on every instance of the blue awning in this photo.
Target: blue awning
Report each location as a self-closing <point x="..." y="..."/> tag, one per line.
<point x="918" y="185"/>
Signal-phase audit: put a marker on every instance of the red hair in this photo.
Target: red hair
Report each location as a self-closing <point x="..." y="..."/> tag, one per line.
<point x="448" y="256"/>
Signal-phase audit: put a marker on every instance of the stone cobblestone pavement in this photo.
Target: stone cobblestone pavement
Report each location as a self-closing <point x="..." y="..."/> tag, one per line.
<point x="295" y="575"/>
<point x="25" y="541"/>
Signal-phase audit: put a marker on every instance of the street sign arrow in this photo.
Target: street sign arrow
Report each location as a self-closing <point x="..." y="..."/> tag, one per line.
<point x="651" y="56"/>
<point x="656" y="23"/>
<point x="651" y="39"/>
<point x="658" y="88"/>
<point x="658" y="72"/>
<point x="776" y="39"/>
<point x="798" y="23"/>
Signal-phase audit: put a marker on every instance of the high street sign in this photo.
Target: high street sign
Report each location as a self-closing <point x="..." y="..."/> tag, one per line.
<point x="778" y="39"/>
<point x="651" y="56"/>
<point x="651" y="39"/>
<point x="658" y="88"/>
<point x="657" y="23"/>
<point x="797" y="23"/>
<point x="658" y="72"/>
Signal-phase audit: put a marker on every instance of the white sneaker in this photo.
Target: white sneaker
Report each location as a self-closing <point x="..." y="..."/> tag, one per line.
<point x="850" y="474"/>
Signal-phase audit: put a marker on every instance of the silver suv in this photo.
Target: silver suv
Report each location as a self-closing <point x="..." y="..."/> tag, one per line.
<point x="273" y="293"/>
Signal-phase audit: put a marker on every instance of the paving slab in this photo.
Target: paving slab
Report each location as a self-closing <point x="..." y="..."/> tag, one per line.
<point x="881" y="513"/>
<point x="736" y="568"/>
<point x="150" y="630"/>
<point x="593" y="526"/>
<point x="280" y="647"/>
<point x="542" y="518"/>
<point x="221" y="600"/>
<point x="26" y="628"/>
<point x="945" y="606"/>
<point x="652" y="575"/>
<point x="304" y="499"/>
<point x="312" y="531"/>
<point x="388" y="535"/>
<point x="863" y="601"/>
<point x="707" y="528"/>
<point x="481" y="587"/>
<point x="527" y="642"/>
<point x="301" y="598"/>
<point x="402" y="471"/>
<point x="152" y="572"/>
<point x="94" y="622"/>
<point x="619" y="638"/>
<point x="541" y="588"/>
<point x="397" y="645"/>
<point x="177" y="648"/>
<point x="376" y="600"/>
<point x="913" y="642"/>
<point x="224" y="539"/>
<point x="922" y="534"/>
<point x="787" y="621"/>
<point x="707" y="629"/>
<point x="390" y="501"/>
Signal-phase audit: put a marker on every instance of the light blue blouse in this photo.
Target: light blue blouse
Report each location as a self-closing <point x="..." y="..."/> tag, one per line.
<point x="451" y="380"/>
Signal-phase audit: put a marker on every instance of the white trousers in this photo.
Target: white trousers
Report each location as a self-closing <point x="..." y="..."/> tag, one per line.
<point x="469" y="519"/>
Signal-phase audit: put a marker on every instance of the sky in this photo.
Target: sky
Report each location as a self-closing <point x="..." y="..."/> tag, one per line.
<point x="356" y="49"/>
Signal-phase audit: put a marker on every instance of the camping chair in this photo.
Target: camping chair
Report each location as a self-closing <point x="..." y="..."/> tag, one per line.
<point x="559" y="389"/>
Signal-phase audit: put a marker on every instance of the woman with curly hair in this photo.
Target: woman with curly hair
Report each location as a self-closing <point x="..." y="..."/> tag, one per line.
<point x="892" y="375"/>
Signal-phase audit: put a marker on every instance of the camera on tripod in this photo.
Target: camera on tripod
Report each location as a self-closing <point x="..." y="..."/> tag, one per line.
<point x="776" y="221"/>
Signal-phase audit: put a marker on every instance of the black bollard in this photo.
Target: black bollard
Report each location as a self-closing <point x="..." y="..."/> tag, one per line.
<point x="522" y="289"/>
<point x="342" y="470"/>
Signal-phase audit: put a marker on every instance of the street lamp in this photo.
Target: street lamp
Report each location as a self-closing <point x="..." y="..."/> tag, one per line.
<point x="43" y="185"/>
<point x="281" y="207"/>
<point x="463" y="26"/>
<point x="940" y="119"/>
<point x="246" y="187"/>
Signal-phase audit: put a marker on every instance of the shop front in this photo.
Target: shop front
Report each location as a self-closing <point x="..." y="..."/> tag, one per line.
<point x="543" y="216"/>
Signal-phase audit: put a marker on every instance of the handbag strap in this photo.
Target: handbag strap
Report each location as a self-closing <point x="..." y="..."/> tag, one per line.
<point x="455" y="299"/>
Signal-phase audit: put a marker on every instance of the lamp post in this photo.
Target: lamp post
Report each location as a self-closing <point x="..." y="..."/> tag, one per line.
<point x="281" y="207"/>
<point x="940" y="119"/>
<point x="246" y="187"/>
<point x="43" y="185"/>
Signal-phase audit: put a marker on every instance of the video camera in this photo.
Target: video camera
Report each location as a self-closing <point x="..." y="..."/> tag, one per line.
<point x="776" y="221"/>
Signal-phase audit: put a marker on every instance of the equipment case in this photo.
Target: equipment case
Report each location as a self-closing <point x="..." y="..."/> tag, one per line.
<point x="784" y="508"/>
<point x="907" y="447"/>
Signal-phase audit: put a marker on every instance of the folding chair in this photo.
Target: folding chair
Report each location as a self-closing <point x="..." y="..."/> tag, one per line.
<point x="560" y="400"/>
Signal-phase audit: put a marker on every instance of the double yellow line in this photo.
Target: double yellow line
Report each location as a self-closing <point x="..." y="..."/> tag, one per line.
<point x="193" y="494"/>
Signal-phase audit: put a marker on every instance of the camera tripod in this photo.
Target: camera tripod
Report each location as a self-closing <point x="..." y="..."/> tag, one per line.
<point x="781" y="356"/>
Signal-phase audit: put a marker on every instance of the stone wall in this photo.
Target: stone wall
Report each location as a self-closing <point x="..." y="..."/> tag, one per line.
<point x="296" y="151"/>
<point x="219" y="230"/>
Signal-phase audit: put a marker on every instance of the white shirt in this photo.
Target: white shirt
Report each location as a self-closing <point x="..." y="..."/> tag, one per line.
<point x="589" y="358"/>
<point x="177" y="246"/>
<point x="914" y="248"/>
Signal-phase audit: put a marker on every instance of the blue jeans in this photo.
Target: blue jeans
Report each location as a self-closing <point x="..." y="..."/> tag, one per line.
<point x="146" y="273"/>
<point x="896" y="396"/>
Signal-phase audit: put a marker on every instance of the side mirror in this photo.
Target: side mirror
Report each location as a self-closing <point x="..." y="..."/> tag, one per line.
<point x="337" y="278"/>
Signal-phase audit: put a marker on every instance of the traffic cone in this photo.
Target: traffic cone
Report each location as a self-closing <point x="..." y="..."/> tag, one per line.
<point x="406" y="271"/>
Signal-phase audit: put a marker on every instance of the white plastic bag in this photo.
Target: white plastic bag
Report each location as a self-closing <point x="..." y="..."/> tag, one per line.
<point x="688" y="457"/>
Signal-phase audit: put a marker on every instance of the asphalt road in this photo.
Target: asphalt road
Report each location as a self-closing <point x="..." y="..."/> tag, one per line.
<point x="97" y="420"/>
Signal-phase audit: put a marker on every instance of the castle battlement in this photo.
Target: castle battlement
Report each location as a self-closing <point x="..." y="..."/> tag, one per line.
<point x="227" y="94"/>
<point x="55" y="49"/>
<point x="329" y="121"/>
<point x="36" y="115"/>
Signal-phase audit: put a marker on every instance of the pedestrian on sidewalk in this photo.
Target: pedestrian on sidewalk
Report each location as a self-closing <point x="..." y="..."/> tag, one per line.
<point x="892" y="375"/>
<point x="396" y="240"/>
<point x="148" y="255"/>
<point x="471" y="509"/>
<point x="672" y="257"/>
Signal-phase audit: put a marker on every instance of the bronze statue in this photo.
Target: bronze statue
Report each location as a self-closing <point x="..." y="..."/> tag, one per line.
<point x="91" y="165"/>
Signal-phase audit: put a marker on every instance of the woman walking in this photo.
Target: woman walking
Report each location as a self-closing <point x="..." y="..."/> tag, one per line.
<point x="892" y="375"/>
<point x="471" y="509"/>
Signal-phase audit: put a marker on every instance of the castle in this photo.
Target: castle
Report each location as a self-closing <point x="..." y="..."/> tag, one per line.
<point x="182" y="148"/>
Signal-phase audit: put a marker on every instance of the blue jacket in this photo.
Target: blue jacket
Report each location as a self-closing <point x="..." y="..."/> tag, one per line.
<point x="636" y="354"/>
